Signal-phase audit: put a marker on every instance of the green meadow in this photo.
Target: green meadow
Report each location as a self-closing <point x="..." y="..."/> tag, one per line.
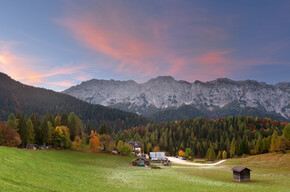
<point x="27" y="170"/>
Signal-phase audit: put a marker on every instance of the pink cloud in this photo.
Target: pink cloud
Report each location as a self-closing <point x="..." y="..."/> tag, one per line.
<point x="27" y="69"/>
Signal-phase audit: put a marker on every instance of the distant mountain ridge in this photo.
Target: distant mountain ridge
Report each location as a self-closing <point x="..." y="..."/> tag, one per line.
<point x="16" y="97"/>
<point x="165" y="93"/>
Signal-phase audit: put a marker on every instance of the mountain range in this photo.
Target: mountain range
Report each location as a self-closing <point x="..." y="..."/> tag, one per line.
<point x="166" y="99"/>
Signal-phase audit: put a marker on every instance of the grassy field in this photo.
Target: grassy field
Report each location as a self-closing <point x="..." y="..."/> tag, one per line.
<point x="26" y="170"/>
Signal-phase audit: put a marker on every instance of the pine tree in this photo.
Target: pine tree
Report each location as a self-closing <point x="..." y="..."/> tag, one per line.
<point x="286" y="131"/>
<point x="259" y="146"/>
<point x="64" y="119"/>
<point x="274" y="139"/>
<point x="210" y="155"/>
<point x="233" y="148"/>
<point x="12" y="122"/>
<point x="30" y="131"/>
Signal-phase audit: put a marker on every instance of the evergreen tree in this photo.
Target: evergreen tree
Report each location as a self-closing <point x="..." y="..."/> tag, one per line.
<point x="103" y="129"/>
<point x="210" y="155"/>
<point x="259" y="146"/>
<point x="12" y="122"/>
<point x="286" y="131"/>
<point x="233" y="148"/>
<point x="30" y="131"/>
<point x="22" y="130"/>
<point x="274" y="139"/>
<point x="74" y="125"/>
<point x="64" y="119"/>
<point x="244" y="147"/>
<point x="89" y="128"/>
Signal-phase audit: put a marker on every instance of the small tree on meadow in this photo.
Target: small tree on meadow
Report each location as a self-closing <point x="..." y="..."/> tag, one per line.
<point x="120" y="147"/>
<point x="127" y="149"/>
<point x="188" y="154"/>
<point x="225" y="155"/>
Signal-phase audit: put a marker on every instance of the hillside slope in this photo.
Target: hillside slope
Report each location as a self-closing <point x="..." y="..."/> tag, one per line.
<point x="16" y="97"/>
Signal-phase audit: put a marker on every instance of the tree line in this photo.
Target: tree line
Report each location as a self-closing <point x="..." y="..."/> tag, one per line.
<point x="212" y="139"/>
<point x="57" y="131"/>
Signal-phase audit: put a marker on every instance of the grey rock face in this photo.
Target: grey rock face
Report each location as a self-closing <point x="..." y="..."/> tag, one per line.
<point x="164" y="92"/>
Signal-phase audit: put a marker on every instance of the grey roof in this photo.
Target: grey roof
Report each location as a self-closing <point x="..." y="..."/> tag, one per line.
<point x="135" y="144"/>
<point x="240" y="168"/>
<point x="140" y="158"/>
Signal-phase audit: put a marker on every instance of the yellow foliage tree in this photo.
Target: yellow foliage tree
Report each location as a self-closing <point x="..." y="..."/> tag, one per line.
<point x="94" y="141"/>
<point x="156" y="149"/>
<point x="77" y="143"/>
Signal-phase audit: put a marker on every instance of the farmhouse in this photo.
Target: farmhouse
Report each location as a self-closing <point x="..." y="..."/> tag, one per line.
<point x="136" y="146"/>
<point x="241" y="174"/>
<point x="140" y="161"/>
<point x="157" y="156"/>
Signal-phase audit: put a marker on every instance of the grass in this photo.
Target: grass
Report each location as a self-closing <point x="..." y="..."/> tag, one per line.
<point x="26" y="170"/>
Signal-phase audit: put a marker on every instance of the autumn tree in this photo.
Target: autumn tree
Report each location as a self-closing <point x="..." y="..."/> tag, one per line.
<point x="225" y="155"/>
<point x="281" y="144"/>
<point x="61" y="137"/>
<point x="106" y="142"/>
<point x="181" y="153"/>
<point x="156" y="149"/>
<point x="94" y="141"/>
<point x="77" y="143"/>
<point x="10" y="136"/>
<point x="148" y="148"/>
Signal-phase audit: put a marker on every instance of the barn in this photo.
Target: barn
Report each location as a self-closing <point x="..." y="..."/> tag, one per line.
<point x="241" y="174"/>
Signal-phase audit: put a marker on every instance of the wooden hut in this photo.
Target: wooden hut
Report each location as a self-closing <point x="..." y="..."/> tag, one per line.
<point x="241" y="174"/>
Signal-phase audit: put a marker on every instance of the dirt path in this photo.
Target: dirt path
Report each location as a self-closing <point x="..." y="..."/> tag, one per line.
<point x="184" y="162"/>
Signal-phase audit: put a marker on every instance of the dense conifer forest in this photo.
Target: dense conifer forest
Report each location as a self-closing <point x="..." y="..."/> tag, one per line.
<point x="222" y="138"/>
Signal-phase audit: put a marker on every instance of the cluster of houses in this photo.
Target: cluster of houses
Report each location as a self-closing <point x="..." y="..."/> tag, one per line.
<point x="240" y="174"/>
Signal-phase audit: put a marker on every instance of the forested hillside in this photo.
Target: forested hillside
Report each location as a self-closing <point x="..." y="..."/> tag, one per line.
<point x="16" y="98"/>
<point x="224" y="137"/>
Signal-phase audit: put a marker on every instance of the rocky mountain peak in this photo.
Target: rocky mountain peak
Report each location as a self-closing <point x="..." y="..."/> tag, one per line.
<point x="165" y="92"/>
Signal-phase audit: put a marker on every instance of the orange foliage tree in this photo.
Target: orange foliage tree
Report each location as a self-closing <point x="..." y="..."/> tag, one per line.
<point x="181" y="153"/>
<point x="94" y="141"/>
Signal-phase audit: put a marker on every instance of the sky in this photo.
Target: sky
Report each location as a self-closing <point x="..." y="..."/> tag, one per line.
<point x="56" y="44"/>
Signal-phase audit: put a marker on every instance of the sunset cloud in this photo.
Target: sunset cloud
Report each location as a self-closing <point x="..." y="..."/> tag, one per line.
<point x="27" y="69"/>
